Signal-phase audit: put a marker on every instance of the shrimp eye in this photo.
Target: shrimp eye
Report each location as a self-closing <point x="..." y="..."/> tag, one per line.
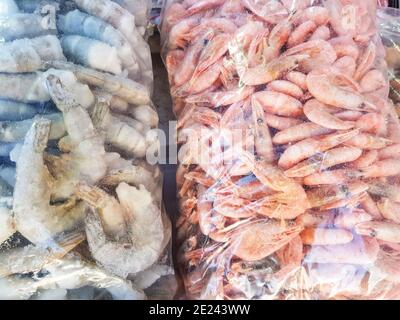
<point x="205" y="42"/>
<point x="260" y="121"/>
<point x="373" y="234"/>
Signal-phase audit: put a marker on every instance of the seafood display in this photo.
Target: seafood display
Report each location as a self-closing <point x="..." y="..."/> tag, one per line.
<point x="81" y="215"/>
<point x="289" y="149"/>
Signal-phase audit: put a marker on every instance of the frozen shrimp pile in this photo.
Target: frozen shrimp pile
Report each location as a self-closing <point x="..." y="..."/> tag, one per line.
<point x="80" y="206"/>
<point x="289" y="173"/>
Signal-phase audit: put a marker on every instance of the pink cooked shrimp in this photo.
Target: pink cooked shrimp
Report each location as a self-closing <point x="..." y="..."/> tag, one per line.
<point x="286" y="87"/>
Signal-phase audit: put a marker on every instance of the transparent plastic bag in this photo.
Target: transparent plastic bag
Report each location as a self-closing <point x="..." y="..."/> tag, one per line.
<point x="289" y="150"/>
<point x="81" y="213"/>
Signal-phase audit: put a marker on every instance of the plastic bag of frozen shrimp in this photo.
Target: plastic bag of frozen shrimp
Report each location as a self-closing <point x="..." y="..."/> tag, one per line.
<point x="289" y="169"/>
<point x="81" y="213"/>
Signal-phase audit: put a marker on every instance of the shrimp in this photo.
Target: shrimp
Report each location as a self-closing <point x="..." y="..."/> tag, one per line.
<point x="386" y="231"/>
<point x="277" y="39"/>
<point x="202" y="5"/>
<point x="372" y="123"/>
<point x="278" y="103"/>
<point x="383" y="168"/>
<point x="324" y="90"/>
<point x="324" y="161"/>
<point x="319" y="197"/>
<point x="316" y="112"/>
<point x="26" y="88"/>
<point x="92" y="53"/>
<point x="117" y="132"/>
<point x="368" y="142"/>
<point x="77" y="22"/>
<point x="26" y="25"/>
<point x="213" y="51"/>
<point x="145" y="114"/>
<point x="263" y="238"/>
<point x="213" y="26"/>
<point x="350" y="218"/>
<point x="108" y="208"/>
<point x="309" y="147"/>
<point x="134" y="175"/>
<point x="346" y="65"/>
<point x="392" y="151"/>
<point x="289" y="202"/>
<point x="321" y="33"/>
<point x="271" y="71"/>
<point x="33" y="258"/>
<point x="319" y="15"/>
<point x="122" y="20"/>
<point x="286" y="87"/>
<point x="27" y="55"/>
<point x="359" y="252"/>
<point x="201" y="82"/>
<point x="179" y="34"/>
<point x="345" y="46"/>
<point x="325" y="237"/>
<point x="299" y="132"/>
<point x="145" y="233"/>
<point x="390" y="210"/>
<point x="36" y="219"/>
<point x="281" y="123"/>
<point x="300" y="34"/>
<point x="36" y="6"/>
<point x="188" y="65"/>
<point x="372" y="81"/>
<point x="332" y="177"/>
<point x="222" y="98"/>
<point x="298" y="78"/>
<point x="262" y="135"/>
<point x="16" y="111"/>
<point x="124" y="88"/>
<point x="270" y="11"/>
<point x="366" y="61"/>
<point x="68" y="273"/>
<point x="316" y="52"/>
<point x="86" y="161"/>
<point x="15" y="131"/>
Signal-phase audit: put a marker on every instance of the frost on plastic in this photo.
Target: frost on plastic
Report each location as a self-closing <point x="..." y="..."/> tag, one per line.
<point x="303" y="202"/>
<point x="81" y="215"/>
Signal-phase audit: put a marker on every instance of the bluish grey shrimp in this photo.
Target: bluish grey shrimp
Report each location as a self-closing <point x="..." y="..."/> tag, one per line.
<point x="15" y="131"/>
<point x="26" y="88"/>
<point x="31" y="6"/>
<point x="28" y="55"/>
<point x="16" y="111"/>
<point x="80" y="23"/>
<point x="92" y="53"/>
<point x="26" y="25"/>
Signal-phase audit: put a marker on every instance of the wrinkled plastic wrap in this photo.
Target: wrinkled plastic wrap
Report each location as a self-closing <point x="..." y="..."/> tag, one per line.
<point x="389" y="19"/>
<point x="289" y="170"/>
<point x="81" y="213"/>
